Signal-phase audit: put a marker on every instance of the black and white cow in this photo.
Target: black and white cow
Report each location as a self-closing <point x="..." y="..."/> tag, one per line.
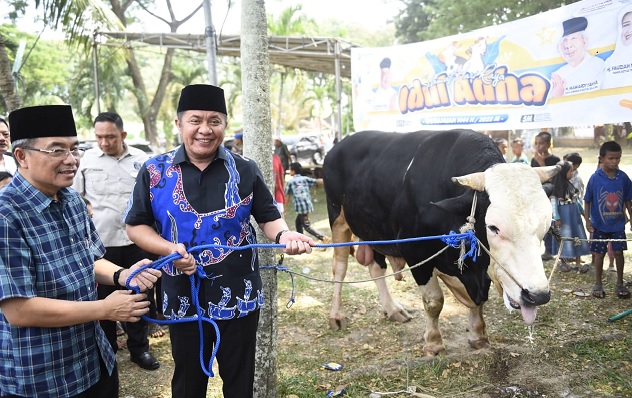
<point x="386" y="186"/>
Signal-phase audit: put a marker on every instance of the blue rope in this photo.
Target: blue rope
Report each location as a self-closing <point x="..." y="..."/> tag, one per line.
<point x="456" y="240"/>
<point x="453" y="239"/>
<point x="195" y="290"/>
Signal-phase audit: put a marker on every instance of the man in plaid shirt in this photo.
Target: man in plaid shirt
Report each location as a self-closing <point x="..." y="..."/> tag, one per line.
<point x="51" y="343"/>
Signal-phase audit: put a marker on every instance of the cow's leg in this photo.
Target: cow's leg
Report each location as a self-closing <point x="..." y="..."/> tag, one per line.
<point x="395" y="311"/>
<point x="432" y="296"/>
<point x="340" y="232"/>
<point x="478" y="331"/>
<point x="397" y="264"/>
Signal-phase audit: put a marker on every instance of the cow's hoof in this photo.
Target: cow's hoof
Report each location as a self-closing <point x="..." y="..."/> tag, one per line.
<point x="401" y="316"/>
<point x="479" y="344"/>
<point x="338" y="324"/>
<point x="432" y="350"/>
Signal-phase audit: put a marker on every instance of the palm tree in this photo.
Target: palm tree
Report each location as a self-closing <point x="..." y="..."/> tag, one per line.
<point x="76" y="17"/>
<point x="289" y="23"/>
<point x="7" y="83"/>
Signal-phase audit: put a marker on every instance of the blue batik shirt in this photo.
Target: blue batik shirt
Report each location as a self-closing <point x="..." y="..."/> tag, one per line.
<point x="199" y="208"/>
<point x="47" y="249"/>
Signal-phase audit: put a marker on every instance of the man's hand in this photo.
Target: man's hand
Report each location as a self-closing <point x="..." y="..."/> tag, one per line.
<point x="186" y="264"/>
<point x="558" y="85"/>
<point x="296" y="243"/>
<point x="145" y="279"/>
<point x="125" y="306"/>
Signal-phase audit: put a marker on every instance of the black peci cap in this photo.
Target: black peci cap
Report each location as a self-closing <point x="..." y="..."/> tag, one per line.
<point x="574" y="25"/>
<point x="202" y="97"/>
<point x="42" y="121"/>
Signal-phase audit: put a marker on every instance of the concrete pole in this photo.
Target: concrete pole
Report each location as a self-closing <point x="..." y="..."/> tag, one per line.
<point x="209" y="34"/>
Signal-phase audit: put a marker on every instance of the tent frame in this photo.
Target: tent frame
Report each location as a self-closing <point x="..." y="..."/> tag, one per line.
<point x="315" y="54"/>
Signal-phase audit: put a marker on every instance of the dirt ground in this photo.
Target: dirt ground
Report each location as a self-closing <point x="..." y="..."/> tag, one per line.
<point x="381" y="357"/>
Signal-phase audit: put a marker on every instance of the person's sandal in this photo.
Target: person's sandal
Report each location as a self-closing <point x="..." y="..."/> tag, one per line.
<point x="598" y="292"/>
<point x="563" y="267"/>
<point x="155" y="330"/>
<point x="622" y="292"/>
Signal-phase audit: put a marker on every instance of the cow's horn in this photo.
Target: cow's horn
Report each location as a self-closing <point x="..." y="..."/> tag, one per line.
<point x="474" y="181"/>
<point x="547" y="172"/>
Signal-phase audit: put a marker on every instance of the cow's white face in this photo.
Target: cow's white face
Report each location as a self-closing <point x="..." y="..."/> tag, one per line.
<point x="518" y="216"/>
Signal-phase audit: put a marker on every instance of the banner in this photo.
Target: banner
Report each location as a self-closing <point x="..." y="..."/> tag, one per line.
<point x="566" y="67"/>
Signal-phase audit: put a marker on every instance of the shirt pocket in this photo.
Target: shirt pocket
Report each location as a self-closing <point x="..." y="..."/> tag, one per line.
<point x="97" y="182"/>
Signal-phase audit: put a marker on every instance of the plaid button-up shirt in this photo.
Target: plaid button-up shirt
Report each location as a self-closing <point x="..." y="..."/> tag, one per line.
<point x="47" y="249"/>
<point x="299" y="187"/>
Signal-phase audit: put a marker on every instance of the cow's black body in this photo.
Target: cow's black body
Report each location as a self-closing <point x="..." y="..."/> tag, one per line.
<point x="395" y="186"/>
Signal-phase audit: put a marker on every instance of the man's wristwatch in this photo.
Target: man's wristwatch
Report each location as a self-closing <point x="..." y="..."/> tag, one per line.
<point x="278" y="237"/>
<point x="116" y="276"/>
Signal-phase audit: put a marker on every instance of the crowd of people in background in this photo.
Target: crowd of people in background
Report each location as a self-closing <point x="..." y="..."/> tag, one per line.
<point x="602" y="208"/>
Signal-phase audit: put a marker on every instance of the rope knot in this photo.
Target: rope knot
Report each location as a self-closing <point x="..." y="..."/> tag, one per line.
<point x="203" y="275"/>
<point x="470" y="221"/>
<point x="460" y="241"/>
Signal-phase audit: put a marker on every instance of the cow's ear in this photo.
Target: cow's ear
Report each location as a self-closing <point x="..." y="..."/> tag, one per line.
<point x="458" y="205"/>
<point x="474" y="181"/>
<point x="547" y="172"/>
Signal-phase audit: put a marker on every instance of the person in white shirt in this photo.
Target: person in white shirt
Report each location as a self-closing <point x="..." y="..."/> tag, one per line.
<point x="6" y="161"/>
<point x="583" y="71"/>
<point x="106" y="177"/>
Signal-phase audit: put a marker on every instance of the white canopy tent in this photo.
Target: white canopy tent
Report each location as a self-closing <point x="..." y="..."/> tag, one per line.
<point x="315" y="54"/>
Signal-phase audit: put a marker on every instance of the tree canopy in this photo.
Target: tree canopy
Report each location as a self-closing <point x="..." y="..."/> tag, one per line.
<point x="148" y="82"/>
<point x="432" y="19"/>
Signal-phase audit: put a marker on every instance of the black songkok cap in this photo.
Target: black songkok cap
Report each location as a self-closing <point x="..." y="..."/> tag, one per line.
<point x="574" y="25"/>
<point x="386" y="63"/>
<point x="42" y="121"/>
<point x="202" y="97"/>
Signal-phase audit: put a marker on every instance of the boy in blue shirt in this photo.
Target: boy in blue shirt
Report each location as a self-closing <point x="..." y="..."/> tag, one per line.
<point x="608" y="196"/>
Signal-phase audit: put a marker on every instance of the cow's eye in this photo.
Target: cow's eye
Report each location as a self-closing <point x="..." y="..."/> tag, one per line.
<point x="493" y="229"/>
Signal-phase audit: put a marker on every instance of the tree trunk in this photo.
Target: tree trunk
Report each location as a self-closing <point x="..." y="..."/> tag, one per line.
<point x="280" y="109"/>
<point x="161" y="91"/>
<point x="258" y="146"/>
<point x="7" y="83"/>
<point x="148" y="108"/>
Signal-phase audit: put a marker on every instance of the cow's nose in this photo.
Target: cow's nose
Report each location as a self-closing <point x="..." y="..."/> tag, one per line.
<point x="535" y="298"/>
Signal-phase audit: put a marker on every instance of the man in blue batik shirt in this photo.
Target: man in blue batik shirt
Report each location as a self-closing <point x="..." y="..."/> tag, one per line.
<point x="199" y="194"/>
<point x="51" y="344"/>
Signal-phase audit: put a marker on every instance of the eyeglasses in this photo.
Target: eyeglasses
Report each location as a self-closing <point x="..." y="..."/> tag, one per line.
<point x="60" y="153"/>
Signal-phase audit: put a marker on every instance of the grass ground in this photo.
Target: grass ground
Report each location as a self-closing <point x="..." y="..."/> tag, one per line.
<point x="573" y="351"/>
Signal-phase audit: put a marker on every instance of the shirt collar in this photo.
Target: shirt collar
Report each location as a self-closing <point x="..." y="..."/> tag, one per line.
<point x="603" y="173"/>
<point x="125" y="151"/>
<point x="181" y="155"/>
<point x="37" y="198"/>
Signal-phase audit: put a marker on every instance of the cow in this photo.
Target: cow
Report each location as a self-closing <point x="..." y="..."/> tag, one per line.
<point x="391" y="186"/>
